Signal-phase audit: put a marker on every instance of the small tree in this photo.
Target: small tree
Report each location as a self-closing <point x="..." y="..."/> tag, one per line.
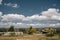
<point x="50" y="32"/>
<point x="3" y="30"/>
<point x="11" y="29"/>
<point x="23" y="30"/>
<point x="31" y="30"/>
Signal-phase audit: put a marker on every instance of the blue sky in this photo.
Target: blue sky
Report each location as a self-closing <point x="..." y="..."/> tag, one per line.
<point x="29" y="7"/>
<point x="25" y="13"/>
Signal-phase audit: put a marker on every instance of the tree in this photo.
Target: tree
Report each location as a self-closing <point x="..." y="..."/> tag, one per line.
<point x="31" y="30"/>
<point x="58" y="30"/>
<point x="23" y="30"/>
<point x="50" y="32"/>
<point x="11" y="29"/>
<point x="3" y="30"/>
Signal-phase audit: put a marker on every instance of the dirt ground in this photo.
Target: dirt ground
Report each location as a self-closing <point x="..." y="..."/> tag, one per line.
<point x="27" y="37"/>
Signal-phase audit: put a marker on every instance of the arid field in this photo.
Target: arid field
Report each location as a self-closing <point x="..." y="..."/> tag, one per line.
<point x="30" y="37"/>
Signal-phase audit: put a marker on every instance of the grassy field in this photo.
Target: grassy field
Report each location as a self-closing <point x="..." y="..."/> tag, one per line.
<point x="30" y="37"/>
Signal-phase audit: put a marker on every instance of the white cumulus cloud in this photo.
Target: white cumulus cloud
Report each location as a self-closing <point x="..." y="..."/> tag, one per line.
<point x="1" y="1"/>
<point x="18" y="20"/>
<point x="12" y="17"/>
<point x="14" y="5"/>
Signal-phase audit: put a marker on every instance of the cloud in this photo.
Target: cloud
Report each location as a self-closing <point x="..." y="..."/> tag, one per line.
<point x="11" y="5"/>
<point x="0" y="13"/>
<point x="48" y="18"/>
<point x="35" y="17"/>
<point x="24" y="25"/>
<point x="0" y="16"/>
<point x="52" y="14"/>
<point x="1" y="1"/>
<point x="16" y="17"/>
<point x="15" y="6"/>
<point x="12" y="17"/>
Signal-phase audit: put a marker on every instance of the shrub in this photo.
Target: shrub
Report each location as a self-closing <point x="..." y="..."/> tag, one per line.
<point x="11" y="29"/>
<point x="31" y="30"/>
<point x="50" y="32"/>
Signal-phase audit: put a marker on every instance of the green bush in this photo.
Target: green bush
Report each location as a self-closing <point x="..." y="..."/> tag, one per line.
<point x="50" y="32"/>
<point x="31" y="30"/>
<point x="11" y="29"/>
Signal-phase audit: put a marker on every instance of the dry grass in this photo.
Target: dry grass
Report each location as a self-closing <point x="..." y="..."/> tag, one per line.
<point x="30" y="37"/>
